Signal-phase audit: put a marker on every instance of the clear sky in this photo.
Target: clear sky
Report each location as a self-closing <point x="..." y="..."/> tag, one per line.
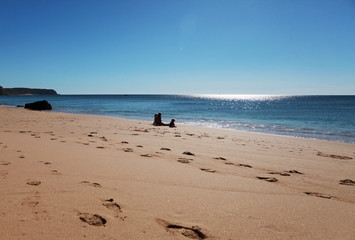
<point x="179" y="46"/>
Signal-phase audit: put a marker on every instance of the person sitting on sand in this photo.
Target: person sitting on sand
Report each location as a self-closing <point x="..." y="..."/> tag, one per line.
<point x="157" y="120"/>
<point x="172" y="123"/>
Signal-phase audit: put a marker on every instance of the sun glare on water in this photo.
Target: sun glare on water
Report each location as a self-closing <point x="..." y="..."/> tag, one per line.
<point x="240" y="97"/>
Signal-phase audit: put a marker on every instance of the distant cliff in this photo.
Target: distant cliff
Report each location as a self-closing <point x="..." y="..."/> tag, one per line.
<point x="26" y="91"/>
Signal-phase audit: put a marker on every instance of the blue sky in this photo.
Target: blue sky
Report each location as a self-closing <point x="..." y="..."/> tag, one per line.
<point x="179" y="46"/>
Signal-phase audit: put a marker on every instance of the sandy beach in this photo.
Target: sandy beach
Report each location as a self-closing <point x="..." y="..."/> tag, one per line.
<point x="66" y="176"/>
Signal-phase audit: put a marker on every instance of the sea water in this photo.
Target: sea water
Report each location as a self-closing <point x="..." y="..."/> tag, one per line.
<point x="320" y="117"/>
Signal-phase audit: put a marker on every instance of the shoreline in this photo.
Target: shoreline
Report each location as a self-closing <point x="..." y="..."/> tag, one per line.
<point x="286" y="122"/>
<point x="191" y="125"/>
<point x="87" y="177"/>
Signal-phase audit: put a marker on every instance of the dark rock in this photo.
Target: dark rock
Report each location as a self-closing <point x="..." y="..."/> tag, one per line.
<point x="40" y="105"/>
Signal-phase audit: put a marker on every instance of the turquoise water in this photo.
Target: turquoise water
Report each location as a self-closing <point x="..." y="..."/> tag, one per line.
<point x="320" y="117"/>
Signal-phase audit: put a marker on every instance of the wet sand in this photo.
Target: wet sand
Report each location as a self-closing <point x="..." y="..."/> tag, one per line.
<point x="65" y="176"/>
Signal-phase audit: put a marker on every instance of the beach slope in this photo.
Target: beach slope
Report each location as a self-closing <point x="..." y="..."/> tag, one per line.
<point x="65" y="176"/>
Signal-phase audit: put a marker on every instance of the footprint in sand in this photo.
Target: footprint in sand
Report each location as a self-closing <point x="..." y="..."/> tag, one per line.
<point x="5" y="163"/>
<point x="139" y="146"/>
<point x="207" y="170"/>
<point x="112" y="205"/>
<point x="220" y="158"/>
<point x="3" y="174"/>
<point x="244" y="165"/>
<point x="55" y="172"/>
<point x="280" y="173"/>
<point x="268" y="179"/>
<point x="100" y="147"/>
<point x="188" y="153"/>
<point x="142" y="130"/>
<point x="92" y="219"/>
<point x="21" y="156"/>
<point x="91" y="184"/>
<point x="239" y="165"/>
<point x="334" y="156"/>
<point x="294" y="171"/>
<point x="124" y="142"/>
<point x="347" y="182"/>
<point x="95" y="184"/>
<point x="31" y="201"/>
<point x="184" y="160"/>
<point x="146" y="155"/>
<point x="128" y="150"/>
<point x="33" y="182"/>
<point x="193" y="232"/>
<point x="165" y="149"/>
<point x="321" y="195"/>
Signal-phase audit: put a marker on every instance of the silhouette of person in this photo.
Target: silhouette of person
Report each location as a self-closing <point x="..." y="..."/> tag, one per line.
<point x="157" y="120"/>
<point x="172" y="123"/>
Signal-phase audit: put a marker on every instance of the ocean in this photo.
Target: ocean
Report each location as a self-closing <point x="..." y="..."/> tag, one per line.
<point x="319" y="117"/>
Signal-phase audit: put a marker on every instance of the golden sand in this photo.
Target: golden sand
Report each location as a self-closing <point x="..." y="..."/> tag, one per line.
<point x="65" y="176"/>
